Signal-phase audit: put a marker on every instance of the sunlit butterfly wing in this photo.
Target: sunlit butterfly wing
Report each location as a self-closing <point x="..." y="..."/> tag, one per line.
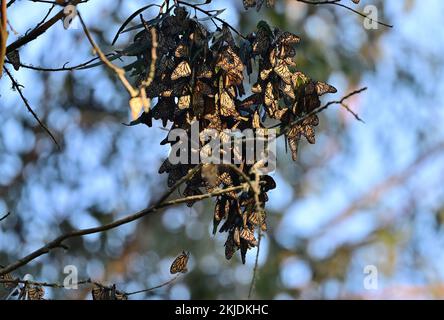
<point x="227" y="105"/>
<point x="182" y="70"/>
<point x="180" y="263"/>
<point x="283" y="72"/>
<point x="324" y="88"/>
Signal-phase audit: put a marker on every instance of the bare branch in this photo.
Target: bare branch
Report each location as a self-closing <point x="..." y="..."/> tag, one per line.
<point x="319" y="110"/>
<point x="3" y="34"/>
<point x="37" y="32"/>
<point x="118" y="71"/>
<point x="339" y="4"/>
<point x="154" y="288"/>
<point x="162" y="203"/>
<point x="25" y="101"/>
<point x="63" y="68"/>
<point x="5" y="216"/>
<point x="41" y="284"/>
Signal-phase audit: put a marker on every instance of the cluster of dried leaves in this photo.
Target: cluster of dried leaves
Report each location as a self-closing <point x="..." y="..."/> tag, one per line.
<point x="200" y="76"/>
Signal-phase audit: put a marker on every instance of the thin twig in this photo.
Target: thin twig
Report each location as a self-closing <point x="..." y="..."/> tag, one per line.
<point x="63" y="68"/>
<point x="56" y="285"/>
<point x="37" y="32"/>
<point x="25" y="101"/>
<point x="318" y="110"/>
<point x="118" y="71"/>
<point x="154" y="288"/>
<point x="46" y="16"/>
<point x="260" y="210"/>
<point x="3" y="34"/>
<point x="152" y="71"/>
<point x="337" y="3"/>
<point x="42" y="284"/>
<point x="5" y="216"/>
<point x="196" y="7"/>
<point x="58" y="242"/>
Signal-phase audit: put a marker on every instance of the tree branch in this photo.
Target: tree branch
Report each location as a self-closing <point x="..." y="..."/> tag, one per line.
<point x="5" y="216"/>
<point x="37" y="32"/>
<point x="319" y="110"/>
<point x="162" y="203"/>
<point x="118" y="71"/>
<point x="337" y="3"/>
<point x="3" y="35"/>
<point x="25" y="101"/>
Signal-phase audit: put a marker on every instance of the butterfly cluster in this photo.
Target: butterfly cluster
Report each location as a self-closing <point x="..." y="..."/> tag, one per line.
<point x="269" y="3"/>
<point x="204" y="76"/>
<point x="23" y="291"/>
<point x="101" y="292"/>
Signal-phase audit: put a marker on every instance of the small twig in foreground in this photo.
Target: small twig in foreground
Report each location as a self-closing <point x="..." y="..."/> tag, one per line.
<point x="5" y="216"/>
<point x="16" y="86"/>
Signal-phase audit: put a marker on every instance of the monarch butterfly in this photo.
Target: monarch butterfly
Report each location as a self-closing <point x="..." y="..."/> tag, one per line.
<point x="181" y="51"/>
<point x="288" y="38"/>
<point x="324" y="88"/>
<point x="236" y="236"/>
<point x="262" y="42"/>
<point x="14" y="58"/>
<point x="270" y="184"/>
<point x="265" y="73"/>
<point x="184" y="102"/>
<point x="283" y="72"/>
<point x="264" y="225"/>
<point x="229" y="247"/>
<point x="222" y="208"/>
<point x="229" y="61"/>
<point x="298" y="79"/>
<point x="203" y="88"/>
<point x="165" y="64"/>
<point x="253" y="218"/>
<point x="8" y="277"/>
<point x="248" y="236"/>
<point x="182" y="70"/>
<point x="288" y="90"/>
<point x="175" y="175"/>
<point x="290" y="62"/>
<point x="100" y="292"/>
<point x="256" y="120"/>
<point x="204" y="72"/>
<point x="249" y="3"/>
<point x="180" y="263"/>
<point x="269" y="96"/>
<point x="293" y="143"/>
<point x="256" y="88"/>
<point x="35" y="293"/>
<point x="227" y="106"/>
<point x="191" y="191"/>
<point x="225" y="178"/>
<point x="306" y="129"/>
